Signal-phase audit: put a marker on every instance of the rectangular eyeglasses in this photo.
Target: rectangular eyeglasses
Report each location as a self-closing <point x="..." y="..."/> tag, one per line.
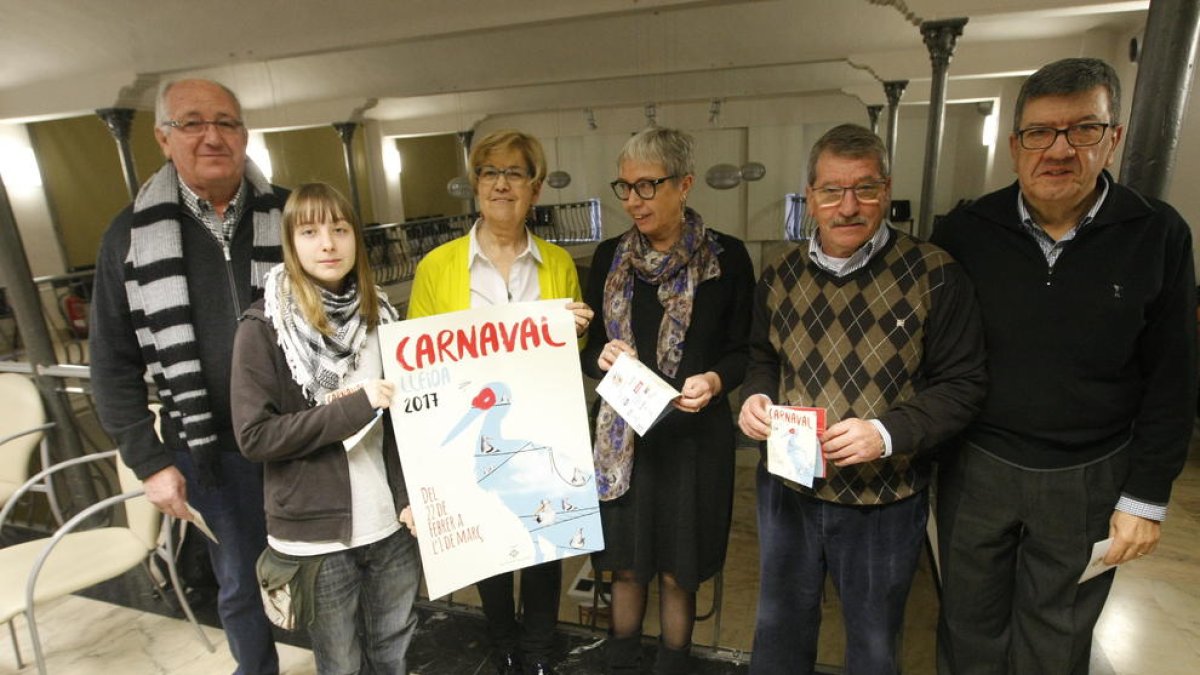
<point x="1078" y="135"/>
<point x="226" y="127"/>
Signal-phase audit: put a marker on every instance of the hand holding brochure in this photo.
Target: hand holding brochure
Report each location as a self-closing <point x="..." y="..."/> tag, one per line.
<point x="1096" y="565"/>
<point x="794" y="446"/>
<point x="199" y="522"/>
<point x="639" y="396"/>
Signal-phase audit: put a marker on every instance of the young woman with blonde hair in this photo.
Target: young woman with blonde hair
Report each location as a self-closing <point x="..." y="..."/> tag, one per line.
<point x="309" y="402"/>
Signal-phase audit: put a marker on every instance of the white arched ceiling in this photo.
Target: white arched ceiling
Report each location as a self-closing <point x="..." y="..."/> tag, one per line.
<point x="448" y="63"/>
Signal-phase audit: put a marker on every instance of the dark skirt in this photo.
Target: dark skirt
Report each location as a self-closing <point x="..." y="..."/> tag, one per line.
<point x="675" y="517"/>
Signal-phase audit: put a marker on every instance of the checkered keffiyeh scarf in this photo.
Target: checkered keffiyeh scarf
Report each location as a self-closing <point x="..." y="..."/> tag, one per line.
<point x="677" y="272"/>
<point x="319" y="363"/>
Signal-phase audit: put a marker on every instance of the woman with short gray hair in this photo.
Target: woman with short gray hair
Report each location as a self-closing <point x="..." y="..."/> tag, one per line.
<point x="676" y="295"/>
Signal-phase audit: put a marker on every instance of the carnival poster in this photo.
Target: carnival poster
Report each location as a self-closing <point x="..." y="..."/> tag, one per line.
<point x="491" y="424"/>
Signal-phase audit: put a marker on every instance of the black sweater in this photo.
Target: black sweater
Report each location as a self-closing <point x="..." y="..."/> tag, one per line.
<point x="1094" y="353"/>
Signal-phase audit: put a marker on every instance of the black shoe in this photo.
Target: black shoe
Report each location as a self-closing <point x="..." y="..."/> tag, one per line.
<point x="623" y="656"/>
<point x="539" y="668"/>
<point x="509" y="663"/>
<point x="672" y="661"/>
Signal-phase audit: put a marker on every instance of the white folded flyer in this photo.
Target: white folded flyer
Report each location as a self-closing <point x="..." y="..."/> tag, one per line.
<point x="636" y="393"/>
<point x="199" y="522"/>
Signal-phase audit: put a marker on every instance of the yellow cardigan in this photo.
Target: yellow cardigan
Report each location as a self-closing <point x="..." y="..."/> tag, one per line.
<point x="443" y="280"/>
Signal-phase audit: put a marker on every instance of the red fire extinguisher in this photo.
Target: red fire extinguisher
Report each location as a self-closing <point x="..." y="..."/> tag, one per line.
<point x="76" y="309"/>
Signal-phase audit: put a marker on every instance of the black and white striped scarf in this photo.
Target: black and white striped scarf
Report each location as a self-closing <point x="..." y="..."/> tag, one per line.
<point x="157" y="288"/>
<point x="319" y="363"/>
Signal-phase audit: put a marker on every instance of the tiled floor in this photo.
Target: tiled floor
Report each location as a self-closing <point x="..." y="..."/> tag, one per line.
<point x="1151" y="624"/>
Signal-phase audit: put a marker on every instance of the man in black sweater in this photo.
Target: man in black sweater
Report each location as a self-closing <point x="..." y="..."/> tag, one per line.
<point x="1088" y="297"/>
<point x="176" y="268"/>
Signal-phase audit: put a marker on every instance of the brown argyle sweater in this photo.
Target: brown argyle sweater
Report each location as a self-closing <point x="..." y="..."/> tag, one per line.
<point x="899" y="340"/>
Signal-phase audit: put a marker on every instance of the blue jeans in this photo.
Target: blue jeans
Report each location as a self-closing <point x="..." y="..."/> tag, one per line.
<point x="364" y="607"/>
<point x="234" y="511"/>
<point x="871" y="553"/>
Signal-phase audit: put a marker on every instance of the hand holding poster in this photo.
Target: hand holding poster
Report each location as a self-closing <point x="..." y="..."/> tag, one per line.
<point x="491" y="424"/>
<point x="794" y="446"/>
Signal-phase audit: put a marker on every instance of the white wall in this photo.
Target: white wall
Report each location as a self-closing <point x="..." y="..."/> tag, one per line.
<point x="777" y="132"/>
<point x="30" y="208"/>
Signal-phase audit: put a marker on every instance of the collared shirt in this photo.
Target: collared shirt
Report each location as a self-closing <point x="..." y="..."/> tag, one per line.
<point x="203" y="211"/>
<point x="1050" y="248"/>
<point x="840" y="267"/>
<point x="488" y="287"/>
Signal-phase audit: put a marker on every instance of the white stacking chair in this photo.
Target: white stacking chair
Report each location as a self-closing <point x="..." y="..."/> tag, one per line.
<point x="73" y="559"/>
<point x="22" y="431"/>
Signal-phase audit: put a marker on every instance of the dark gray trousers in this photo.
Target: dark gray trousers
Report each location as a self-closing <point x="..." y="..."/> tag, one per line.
<point x="1013" y="543"/>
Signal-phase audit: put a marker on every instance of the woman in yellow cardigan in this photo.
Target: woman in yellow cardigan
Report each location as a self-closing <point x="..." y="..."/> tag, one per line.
<point x="497" y="262"/>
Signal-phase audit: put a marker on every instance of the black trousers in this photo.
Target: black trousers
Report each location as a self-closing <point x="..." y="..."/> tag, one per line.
<point x="540" y="587"/>
<point x="1013" y="543"/>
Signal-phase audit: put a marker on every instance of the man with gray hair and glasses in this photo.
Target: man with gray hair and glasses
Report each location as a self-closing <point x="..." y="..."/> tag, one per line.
<point x="1087" y="291"/>
<point x="175" y="270"/>
<point x="882" y="331"/>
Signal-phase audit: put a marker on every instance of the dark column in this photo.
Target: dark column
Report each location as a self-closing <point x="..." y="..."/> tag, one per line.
<point x="119" y="122"/>
<point x="464" y="145"/>
<point x="1160" y="96"/>
<point x="22" y="295"/>
<point x="893" y="89"/>
<point x="346" y="131"/>
<point x="940" y="38"/>
<point x="873" y="115"/>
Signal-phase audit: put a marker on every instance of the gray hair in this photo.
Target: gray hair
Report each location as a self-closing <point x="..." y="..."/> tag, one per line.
<point x="162" y="115"/>
<point x="848" y="140"/>
<point x="672" y="148"/>
<point x="1071" y="76"/>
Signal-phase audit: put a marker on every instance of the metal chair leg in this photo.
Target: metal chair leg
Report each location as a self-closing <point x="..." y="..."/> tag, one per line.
<point x="715" y="610"/>
<point x="51" y="494"/>
<point x="12" y="634"/>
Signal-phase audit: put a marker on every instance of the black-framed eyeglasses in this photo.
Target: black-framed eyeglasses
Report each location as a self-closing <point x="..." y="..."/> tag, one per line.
<point x="225" y="127"/>
<point x="645" y="188"/>
<point x="1078" y="135"/>
<point x="865" y="193"/>
<point x="489" y="174"/>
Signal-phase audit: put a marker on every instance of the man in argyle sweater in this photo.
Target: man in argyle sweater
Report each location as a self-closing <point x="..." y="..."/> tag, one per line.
<point x="883" y="332"/>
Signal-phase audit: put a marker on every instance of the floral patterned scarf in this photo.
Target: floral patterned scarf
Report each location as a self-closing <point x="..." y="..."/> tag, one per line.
<point x="677" y="272"/>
